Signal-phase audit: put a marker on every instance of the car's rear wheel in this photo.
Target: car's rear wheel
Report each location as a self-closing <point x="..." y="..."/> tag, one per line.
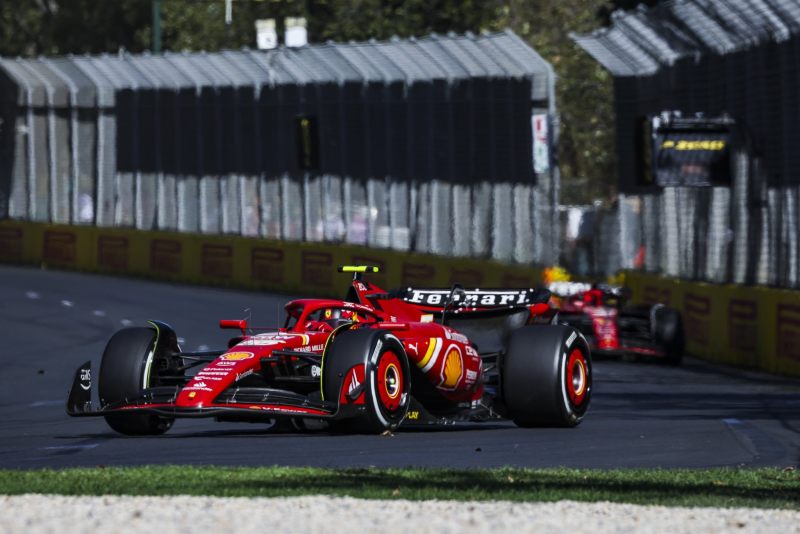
<point x="127" y="367"/>
<point x="369" y="369"/>
<point x="547" y="376"/>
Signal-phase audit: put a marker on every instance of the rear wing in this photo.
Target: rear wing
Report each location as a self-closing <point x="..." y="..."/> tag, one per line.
<point x="570" y="289"/>
<point x="475" y="298"/>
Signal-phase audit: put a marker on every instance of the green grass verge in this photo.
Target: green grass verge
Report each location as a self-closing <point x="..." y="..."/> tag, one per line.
<point x="761" y="488"/>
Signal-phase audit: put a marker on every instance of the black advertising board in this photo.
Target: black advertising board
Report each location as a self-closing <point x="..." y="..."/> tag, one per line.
<point x="691" y="152"/>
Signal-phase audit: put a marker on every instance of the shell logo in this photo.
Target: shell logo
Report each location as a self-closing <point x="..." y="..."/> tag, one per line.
<point x="452" y="368"/>
<point x="237" y="356"/>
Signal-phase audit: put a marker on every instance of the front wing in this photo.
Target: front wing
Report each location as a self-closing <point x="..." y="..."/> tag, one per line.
<point x="244" y="402"/>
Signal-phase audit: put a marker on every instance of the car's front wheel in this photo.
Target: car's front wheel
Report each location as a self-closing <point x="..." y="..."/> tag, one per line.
<point x="126" y="369"/>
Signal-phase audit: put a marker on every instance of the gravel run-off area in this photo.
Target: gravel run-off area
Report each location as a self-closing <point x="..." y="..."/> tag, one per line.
<point x="128" y="514"/>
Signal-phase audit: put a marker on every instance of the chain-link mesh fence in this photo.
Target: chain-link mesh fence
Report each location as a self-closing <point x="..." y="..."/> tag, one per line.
<point x="707" y="58"/>
<point x="418" y="145"/>
<point x="744" y="234"/>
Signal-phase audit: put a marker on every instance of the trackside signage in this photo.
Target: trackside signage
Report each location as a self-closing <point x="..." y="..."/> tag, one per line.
<point x="11" y="244"/>
<point x="112" y="252"/>
<point x="267" y="265"/>
<point x="165" y="256"/>
<point x="656" y="295"/>
<point x="60" y="247"/>
<point x="415" y="274"/>
<point x="743" y="324"/>
<point x="718" y="329"/>
<point x="697" y="315"/>
<point x="217" y="261"/>
<point x="517" y="280"/>
<point x="739" y="325"/>
<point x="317" y="269"/>
<point x="466" y="277"/>
<point x="788" y="334"/>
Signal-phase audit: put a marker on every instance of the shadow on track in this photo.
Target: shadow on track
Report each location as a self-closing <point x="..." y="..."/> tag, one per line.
<point x="548" y="486"/>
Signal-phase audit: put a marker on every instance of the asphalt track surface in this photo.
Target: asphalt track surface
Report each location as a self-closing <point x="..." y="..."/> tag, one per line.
<point x="642" y="414"/>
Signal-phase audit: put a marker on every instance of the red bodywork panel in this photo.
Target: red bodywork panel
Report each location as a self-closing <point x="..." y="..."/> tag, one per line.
<point x="240" y="361"/>
<point x="605" y="322"/>
<point x="282" y="372"/>
<point x="445" y="357"/>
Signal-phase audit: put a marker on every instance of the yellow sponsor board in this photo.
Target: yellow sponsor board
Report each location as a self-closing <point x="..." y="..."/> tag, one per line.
<point x="287" y="266"/>
<point x="749" y="326"/>
<point x="781" y="324"/>
<point x="754" y="327"/>
<point x="743" y="331"/>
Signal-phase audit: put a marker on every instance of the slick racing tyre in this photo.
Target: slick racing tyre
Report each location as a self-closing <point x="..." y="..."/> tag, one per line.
<point x="667" y="329"/>
<point x="126" y="368"/>
<point x="546" y="376"/>
<point x="369" y="370"/>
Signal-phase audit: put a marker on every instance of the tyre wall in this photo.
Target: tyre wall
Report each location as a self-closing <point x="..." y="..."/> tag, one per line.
<point x="754" y="327"/>
<point x="235" y="261"/>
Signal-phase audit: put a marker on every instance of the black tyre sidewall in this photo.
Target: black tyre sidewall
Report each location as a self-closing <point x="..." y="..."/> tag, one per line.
<point x="534" y="376"/>
<point x="365" y="347"/>
<point x="668" y="332"/>
<point x="380" y="418"/>
<point x="121" y="378"/>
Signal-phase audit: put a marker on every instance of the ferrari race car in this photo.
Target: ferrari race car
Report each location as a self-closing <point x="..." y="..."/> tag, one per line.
<point x="368" y="363"/>
<point x="613" y="327"/>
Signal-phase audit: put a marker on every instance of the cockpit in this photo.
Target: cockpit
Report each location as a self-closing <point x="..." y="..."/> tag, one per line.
<point x="322" y="316"/>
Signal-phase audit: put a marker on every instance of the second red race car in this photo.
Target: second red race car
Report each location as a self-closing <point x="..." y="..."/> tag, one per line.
<point x="614" y="327"/>
<point x="368" y="363"/>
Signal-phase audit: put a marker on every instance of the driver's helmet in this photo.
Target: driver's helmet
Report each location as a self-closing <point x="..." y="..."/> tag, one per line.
<point x="330" y="318"/>
<point x="593" y="297"/>
<point x="337" y="316"/>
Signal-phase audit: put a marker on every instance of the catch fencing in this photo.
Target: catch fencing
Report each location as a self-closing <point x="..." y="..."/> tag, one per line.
<point x="415" y="145"/>
<point x="743" y="234"/>
<point x="734" y="58"/>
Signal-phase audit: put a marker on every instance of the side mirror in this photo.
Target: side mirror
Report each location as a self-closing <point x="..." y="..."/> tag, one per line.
<point x="240" y="324"/>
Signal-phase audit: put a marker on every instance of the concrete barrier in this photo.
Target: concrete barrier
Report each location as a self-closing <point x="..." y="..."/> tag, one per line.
<point x="234" y="261"/>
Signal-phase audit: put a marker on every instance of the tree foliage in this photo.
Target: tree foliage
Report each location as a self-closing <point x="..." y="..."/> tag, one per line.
<point x="584" y="90"/>
<point x="58" y="27"/>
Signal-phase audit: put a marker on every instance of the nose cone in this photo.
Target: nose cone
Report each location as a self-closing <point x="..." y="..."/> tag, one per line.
<point x="215" y="378"/>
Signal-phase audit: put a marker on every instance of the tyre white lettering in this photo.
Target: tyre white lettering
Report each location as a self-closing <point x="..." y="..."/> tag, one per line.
<point x="563" y="380"/>
<point x="148" y="364"/>
<point x="373" y="381"/>
<point x="571" y="338"/>
<point x="373" y="369"/>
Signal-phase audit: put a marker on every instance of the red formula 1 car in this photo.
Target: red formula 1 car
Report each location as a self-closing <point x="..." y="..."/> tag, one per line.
<point x="368" y="363"/>
<point x="614" y="327"/>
